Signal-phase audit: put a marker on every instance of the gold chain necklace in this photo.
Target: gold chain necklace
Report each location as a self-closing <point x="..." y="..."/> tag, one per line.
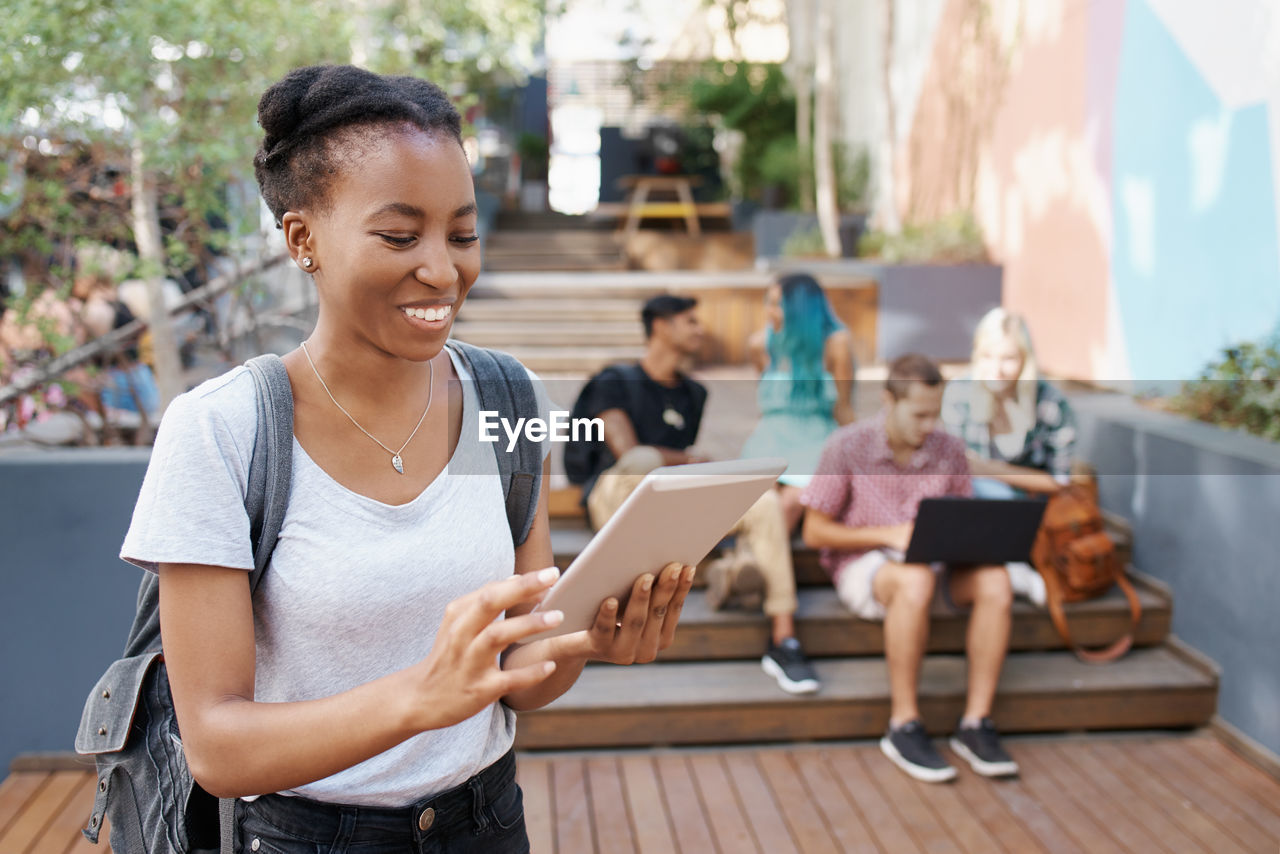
<point x="396" y="462"/>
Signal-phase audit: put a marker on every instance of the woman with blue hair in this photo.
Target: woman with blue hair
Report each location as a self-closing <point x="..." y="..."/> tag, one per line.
<point x="805" y="355"/>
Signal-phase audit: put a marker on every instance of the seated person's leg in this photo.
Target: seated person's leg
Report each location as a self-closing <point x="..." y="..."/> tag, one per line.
<point x="618" y="481"/>
<point x="761" y="530"/>
<point x="988" y="590"/>
<point x="1025" y="580"/>
<point x="989" y="487"/>
<point x="792" y="509"/>
<point x="905" y="592"/>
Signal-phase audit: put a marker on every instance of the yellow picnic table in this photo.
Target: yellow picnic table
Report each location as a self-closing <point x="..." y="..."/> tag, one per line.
<point x="639" y="187"/>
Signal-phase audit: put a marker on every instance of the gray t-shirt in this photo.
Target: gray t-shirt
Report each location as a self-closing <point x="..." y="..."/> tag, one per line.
<point x="356" y="589"/>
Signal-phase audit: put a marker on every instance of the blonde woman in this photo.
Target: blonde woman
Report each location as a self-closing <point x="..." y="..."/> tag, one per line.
<point x="1019" y="430"/>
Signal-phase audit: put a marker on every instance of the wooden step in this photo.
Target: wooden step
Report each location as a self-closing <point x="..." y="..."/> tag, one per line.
<point x="515" y="333"/>
<point x="827" y="629"/>
<point x="584" y="360"/>
<point x="553" y="241"/>
<point x="569" y="535"/>
<point x="511" y="221"/>
<point x="725" y="702"/>
<point x="579" y="309"/>
<point x="590" y="285"/>
<point x="519" y="263"/>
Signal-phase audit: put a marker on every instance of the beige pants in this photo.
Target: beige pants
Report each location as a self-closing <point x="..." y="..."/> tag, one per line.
<point x="761" y="529"/>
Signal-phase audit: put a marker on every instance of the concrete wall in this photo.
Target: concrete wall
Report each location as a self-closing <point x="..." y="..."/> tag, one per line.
<point x="68" y="600"/>
<point x="933" y="309"/>
<point x="1202" y="502"/>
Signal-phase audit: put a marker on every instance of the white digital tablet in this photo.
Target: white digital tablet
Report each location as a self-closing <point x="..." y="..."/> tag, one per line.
<point x="676" y="515"/>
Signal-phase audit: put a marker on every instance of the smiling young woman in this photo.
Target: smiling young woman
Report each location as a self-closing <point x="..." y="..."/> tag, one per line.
<point x="365" y="692"/>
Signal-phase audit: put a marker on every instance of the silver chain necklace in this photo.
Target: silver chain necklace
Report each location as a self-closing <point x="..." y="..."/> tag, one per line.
<point x="396" y="462"/>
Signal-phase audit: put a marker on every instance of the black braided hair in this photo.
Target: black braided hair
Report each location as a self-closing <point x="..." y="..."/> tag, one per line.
<point x="311" y="110"/>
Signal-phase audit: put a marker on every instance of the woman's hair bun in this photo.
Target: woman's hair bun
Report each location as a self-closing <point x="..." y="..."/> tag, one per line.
<point x="280" y="108"/>
<point x="304" y="107"/>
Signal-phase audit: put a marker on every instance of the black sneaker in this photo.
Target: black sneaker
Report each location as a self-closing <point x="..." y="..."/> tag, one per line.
<point x="910" y="748"/>
<point x="787" y="663"/>
<point x="980" y="747"/>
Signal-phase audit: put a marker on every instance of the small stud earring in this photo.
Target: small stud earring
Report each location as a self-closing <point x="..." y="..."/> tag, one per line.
<point x="307" y="262"/>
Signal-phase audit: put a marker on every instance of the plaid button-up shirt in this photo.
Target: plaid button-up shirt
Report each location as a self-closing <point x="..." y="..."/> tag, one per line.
<point x="858" y="483"/>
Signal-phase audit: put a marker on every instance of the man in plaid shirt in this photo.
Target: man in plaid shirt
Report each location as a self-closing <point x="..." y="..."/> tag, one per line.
<point x="861" y="508"/>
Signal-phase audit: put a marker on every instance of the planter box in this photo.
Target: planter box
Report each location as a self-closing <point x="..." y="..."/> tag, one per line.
<point x="923" y="308"/>
<point x="1202" y="503"/>
<point x="933" y="308"/>
<point x="68" y="599"/>
<point x="772" y="229"/>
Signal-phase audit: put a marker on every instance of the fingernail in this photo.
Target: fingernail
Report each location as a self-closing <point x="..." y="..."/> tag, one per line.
<point x="611" y="604"/>
<point x="646" y="582"/>
<point x="548" y="575"/>
<point x="553" y="618"/>
<point x="548" y="666"/>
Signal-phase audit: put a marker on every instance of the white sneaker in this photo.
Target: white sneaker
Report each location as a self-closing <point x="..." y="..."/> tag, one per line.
<point x="1026" y="582"/>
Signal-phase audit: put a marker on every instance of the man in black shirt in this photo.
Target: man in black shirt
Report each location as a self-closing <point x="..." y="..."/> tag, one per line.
<point x="652" y="404"/>
<point x="651" y="413"/>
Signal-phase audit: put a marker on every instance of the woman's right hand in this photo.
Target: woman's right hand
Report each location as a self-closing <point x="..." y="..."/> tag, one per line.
<point x="462" y="674"/>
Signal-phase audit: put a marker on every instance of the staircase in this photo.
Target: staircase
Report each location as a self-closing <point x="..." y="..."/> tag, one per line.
<point x="551" y="241"/>
<point x="708" y="688"/>
<point x="556" y="330"/>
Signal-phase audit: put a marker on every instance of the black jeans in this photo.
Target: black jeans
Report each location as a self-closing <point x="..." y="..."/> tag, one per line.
<point x="484" y="815"/>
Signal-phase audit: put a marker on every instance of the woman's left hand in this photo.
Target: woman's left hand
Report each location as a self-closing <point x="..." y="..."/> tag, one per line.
<point x="647" y="624"/>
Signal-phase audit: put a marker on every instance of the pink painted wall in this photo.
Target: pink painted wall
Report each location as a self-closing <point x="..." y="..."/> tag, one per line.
<point x="1013" y="123"/>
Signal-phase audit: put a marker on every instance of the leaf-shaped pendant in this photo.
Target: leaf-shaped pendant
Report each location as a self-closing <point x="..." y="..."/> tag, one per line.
<point x="397" y="463"/>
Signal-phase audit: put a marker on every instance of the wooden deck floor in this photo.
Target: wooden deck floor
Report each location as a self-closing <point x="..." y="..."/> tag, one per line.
<point x="1076" y="794"/>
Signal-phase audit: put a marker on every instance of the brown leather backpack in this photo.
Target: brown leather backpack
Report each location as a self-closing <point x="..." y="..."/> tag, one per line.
<point x="1078" y="561"/>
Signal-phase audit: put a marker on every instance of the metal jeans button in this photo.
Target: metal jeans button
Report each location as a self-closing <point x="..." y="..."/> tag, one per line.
<point x="427" y="818"/>
<point x="256" y="844"/>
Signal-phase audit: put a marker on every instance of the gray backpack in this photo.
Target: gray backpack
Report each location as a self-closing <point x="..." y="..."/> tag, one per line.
<point x="144" y="787"/>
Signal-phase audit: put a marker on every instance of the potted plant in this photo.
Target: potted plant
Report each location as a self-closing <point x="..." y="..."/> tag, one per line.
<point x="935" y="282"/>
<point x="535" y="155"/>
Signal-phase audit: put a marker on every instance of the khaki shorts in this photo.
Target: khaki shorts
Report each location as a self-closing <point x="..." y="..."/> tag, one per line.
<point x="855" y="582"/>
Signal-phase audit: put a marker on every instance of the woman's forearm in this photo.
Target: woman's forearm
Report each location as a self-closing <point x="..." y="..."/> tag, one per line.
<point x="821" y="532"/>
<point x="1022" y="477"/>
<point x="569" y="664"/>
<point x="240" y="747"/>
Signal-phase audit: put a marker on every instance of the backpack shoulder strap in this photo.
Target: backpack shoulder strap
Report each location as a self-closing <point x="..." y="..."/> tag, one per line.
<point x="503" y="385"/>
<point x="270" y="477"/>
<point x="271" y="467"/>
<point x="265" y="499"/>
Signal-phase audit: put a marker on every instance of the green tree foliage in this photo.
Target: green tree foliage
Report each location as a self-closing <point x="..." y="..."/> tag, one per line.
<point x="954" y="238"/>
<point x="756" y="100"/>
<point x="182" y="76"/>
<point x="171" y="82"/>
<point x="1240" y="391"/>
<point x="468" y="46"/>
<point x="167" y="91"/>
